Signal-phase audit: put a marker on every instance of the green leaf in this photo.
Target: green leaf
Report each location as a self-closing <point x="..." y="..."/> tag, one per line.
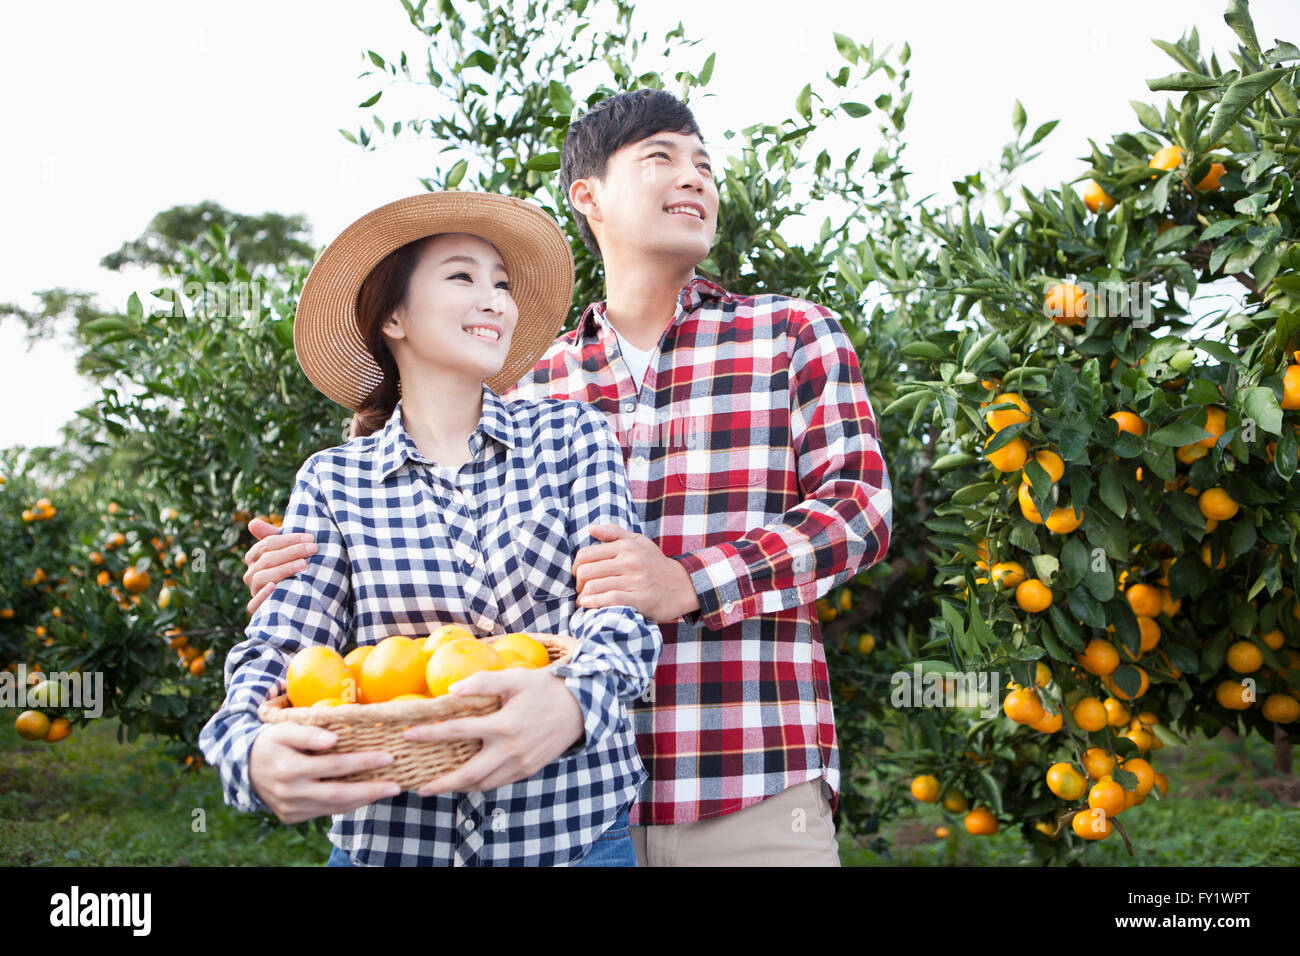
<point x="1178" y="434"/>
<point x="545" y="162"/>
<point x="371" y="101"/>
<point x="1239" y="95"/>
<point x="1018" y="117"/>
<point x="376" y="59"/>
<point x="456" y="174"/>
<point x="1111" y="491"/>
<point x="848" y="49"/>
<point x="856" y="109"/>
<point x="1262" y="405"/>
<point x="706" y="73"/>
<point x="922" y="350"/>
<point x="1182" y="81"/>
<point x="803" y="103"/>
<point x="560" y="98"/>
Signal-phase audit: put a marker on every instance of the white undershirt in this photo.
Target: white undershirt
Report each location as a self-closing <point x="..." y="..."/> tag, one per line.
<point x="637" y="360"/>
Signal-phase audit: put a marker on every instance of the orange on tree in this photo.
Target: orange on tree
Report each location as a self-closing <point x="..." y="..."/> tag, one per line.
<point x="1042" y="674"/>
<point x="1010" y="457"/>
<point x="1097" y="762"/>
<point x="1033" y="596"/>
<point x="1233" y="695"/>
<point x="1107" y="795"/>
<point x="1027" y="507"/>
<point x="1001" y="418"/>
<point x="1023" y="706"/>
<point x="1049" y="723"/>
<point x="315" y="673"/>
<point x="198" y="667"/>
<point x="1066" y="304"/>
<point x="1144" y="600"/>
<point x="1244" y="657"/>
<point x="1215" y="424"/>
<point x="1091" y="824"/>
<point x="1089" y="714"/>
<point x="925" y="788"/>
<point x="1117" y="715"/>
<point x="1165" y="158"/>
<point x="135" y="581"/>
<point x="1051" y="463"/>
<point x="1098" y="657"/>
<point x="1111" y="685"/>
<point x="1162" y="784"/>
<point x="1210" y="181"/>
<point x="1217" y="504"/>
<point x="1094" y="197"/>
<point x="1145" y="773"/>
<point x="1128" y="422"/>
<point x="32" y="725"/>
<point x="393" y="668"/>
<point x="1274" y="639"/>
<point x="1150" y="630"/>
<point x="1281" y="709"/>
<point x="980" y="822"/>
<point x="457" y="660"/>
<point x="1063" y="520"/>
<point x="955" y="802"/>
<point x="1066" y="782"/>
<point x="1008" y="574"/>
<point x="60" y="728"/>
<point x="866" y="643"/>
<point x="1291" y="388"/>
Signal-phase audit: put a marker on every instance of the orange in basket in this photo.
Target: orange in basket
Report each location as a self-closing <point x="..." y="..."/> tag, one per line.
<point x="393" y="668"/>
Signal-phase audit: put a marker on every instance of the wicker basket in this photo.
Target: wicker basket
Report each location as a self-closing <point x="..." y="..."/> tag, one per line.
<point x="362" y="727"/>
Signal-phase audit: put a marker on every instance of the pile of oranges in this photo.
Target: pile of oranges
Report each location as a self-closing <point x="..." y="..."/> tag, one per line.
<point x="404" y="668"/>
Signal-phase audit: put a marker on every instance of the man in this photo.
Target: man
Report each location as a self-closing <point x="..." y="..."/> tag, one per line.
<point x="752" y="451"/>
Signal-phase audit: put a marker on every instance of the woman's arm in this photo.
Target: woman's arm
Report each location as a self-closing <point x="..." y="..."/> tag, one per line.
<point x="270" y="768"/>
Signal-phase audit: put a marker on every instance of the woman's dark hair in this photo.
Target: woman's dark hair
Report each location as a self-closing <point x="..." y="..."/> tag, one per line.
<point x="609" y="126"/>
<point x="383" y="291"/>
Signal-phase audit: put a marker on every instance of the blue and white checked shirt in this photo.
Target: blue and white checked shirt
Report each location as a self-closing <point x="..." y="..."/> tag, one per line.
<point x="403" y="546"/>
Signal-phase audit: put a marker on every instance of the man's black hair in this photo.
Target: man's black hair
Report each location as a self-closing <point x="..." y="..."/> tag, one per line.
<point x="610" y="125"/>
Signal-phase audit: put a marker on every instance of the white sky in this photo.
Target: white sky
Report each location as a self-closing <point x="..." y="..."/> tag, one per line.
<point x="115" y="111"/>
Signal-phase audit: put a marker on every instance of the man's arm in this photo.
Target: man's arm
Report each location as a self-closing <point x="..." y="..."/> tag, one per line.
<point x="842" y="525"/>
<point x="618" y="647"/>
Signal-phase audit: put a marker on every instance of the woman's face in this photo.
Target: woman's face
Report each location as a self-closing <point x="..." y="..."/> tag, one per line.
<point x="460" y="283"/>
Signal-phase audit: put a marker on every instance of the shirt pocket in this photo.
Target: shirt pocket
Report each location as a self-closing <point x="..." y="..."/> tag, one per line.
<point x="540" y="543"/>
<point x="721" y="462"/>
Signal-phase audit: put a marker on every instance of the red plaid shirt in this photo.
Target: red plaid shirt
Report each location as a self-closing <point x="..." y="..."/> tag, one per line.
<point x="753" y="454"/>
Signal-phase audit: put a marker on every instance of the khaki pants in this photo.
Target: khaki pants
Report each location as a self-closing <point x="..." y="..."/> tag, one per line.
<point x="791" y="828"/>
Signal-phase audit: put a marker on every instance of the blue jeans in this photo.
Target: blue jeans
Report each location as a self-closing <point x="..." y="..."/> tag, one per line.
<point x="613" y="848"/>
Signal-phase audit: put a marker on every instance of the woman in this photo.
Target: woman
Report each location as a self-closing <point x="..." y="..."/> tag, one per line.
<point x="449" y="506"/>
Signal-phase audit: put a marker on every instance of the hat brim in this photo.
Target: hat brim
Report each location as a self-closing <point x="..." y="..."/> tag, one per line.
<point x="531" y="244"/>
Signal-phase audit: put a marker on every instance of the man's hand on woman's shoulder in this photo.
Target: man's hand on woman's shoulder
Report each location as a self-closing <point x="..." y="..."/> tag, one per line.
<point x="272" y="558"/>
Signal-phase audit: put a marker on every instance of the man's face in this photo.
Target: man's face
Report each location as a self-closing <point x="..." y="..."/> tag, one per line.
<point x="658" y="199"/>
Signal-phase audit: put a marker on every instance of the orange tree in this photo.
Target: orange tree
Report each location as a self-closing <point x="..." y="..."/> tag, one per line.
<point x="1117" y="516"/>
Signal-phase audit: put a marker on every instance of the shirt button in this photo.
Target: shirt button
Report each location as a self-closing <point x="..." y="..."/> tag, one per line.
<point x="726" y="608"/>
<point x="638" y="460"/>
<point x="630" y="407"/>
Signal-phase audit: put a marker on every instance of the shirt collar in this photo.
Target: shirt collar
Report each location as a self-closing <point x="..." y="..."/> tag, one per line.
<point x="395" y="445"/>
<point x="692" y="295"/>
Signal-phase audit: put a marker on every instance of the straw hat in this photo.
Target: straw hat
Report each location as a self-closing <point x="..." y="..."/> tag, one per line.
<point x="532" y="246"/>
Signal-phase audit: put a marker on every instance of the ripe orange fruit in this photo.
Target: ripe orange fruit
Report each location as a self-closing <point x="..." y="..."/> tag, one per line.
<point x="1010" y="457"/>
<point x="1215" y="423"/>
<point x="1114" y="688"/>
<point x="1274" y="639"/>
<point x="1244" y="657"/>
<point x="1210" y="181"/>
<point x="1107" y="795"/>
<point x="352" y="686"/>
<point x="1008" y="574"/>
<point x="1281" y="709"/>
<point x="980" y="822"/>
<point x="115" y="541"/>
<point x="444" y="635"/>
<point x="1144" y="600"/>
<point x="198" y="667"/>
<point x="60" y="727"/>
<point x="32" y="725"/>
<point x="530" y="650"/>
<point x="96" y="557"/>
<point x="1048" y="723"/>
<point x="393" y="668"/>
<point x="1051" y="463"/>
<point x="1217" y="504"/>
<point x="1097" y="762"/>
<point x="1042" y="674"/>
<point x="1233" y="695"/>
<point x="1117" y="715"/>
<point x="1094" y="197"/>
<point x="1066" y="304"/>
<point x="1091" y="824"/>
<point x="135" y="581"/>
<point x="954" y="802"/>
<point x="457" y="660"/>
<point x="1027" y="507"/>
<point x="1188" y="454"/>
<point x="1089" y="714"/>
<point x="1145" y="773"/>
<point x="1150" y="629"/>
<point x="1099" y="657"/>
<point x="866" y="643"/>
<point x="1023" y="706"/>
<point x="1063" y="520"/>
<point x="1129" y="422"/>
<point x="1066" y="782"/>
<point x="316" y="672"/>
<point x="1291" y="388"/>
<point x="925" y="788"/>
<point x="1000" y="419"/>
<point x="1162" y="784"/>
<point x="1167" y="157"/>
<point x="1033" y="596"/>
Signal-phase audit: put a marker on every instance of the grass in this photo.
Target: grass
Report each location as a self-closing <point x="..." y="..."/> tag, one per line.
<point x="91" y="801"/>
